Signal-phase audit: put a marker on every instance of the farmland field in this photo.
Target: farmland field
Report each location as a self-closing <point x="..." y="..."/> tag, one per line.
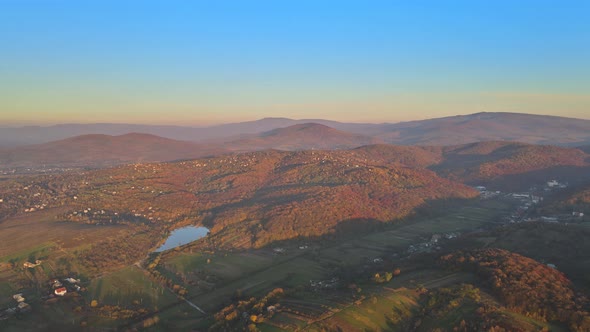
<point x="255" y="272"/>
<point x="126" y="287"/>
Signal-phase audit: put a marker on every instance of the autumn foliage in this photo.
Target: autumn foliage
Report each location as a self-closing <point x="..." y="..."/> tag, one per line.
<point x="525" y="285"/>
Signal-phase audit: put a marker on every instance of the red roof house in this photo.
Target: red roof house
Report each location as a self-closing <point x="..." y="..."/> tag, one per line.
<point x="61" y="291"/>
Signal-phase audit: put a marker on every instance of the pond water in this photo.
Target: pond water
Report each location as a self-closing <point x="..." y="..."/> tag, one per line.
<point x="182" y="236"/>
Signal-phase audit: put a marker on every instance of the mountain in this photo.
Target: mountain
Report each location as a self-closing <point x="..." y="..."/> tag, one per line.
<point x="304" y="136"/>
<point x="251" y="199"/>
<point x="512" y="166"/>
<point x="103" y="150"/>
<point x="454" y="130"/>
<point x="504" y="165"/>
<point x="498" y="164"/>
<point x="271" y="195"/>
<point x="98" y="150"/>
<point x="36" y="134"/>
<point x="527" y="128"/>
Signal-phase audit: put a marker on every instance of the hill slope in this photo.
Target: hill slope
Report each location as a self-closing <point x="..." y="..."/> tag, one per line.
<point x="264" y="196"/>
<point x="304" y="136"/>
<point x="512" y="166"/>
<point x="528" y="128"/>
<point x="103" y="150"/>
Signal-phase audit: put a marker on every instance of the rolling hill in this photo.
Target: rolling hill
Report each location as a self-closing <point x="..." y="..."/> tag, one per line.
<point x="271" y="195"/>
<point x="103" y="150"/>
<point x="506" y="166"/>
<point x="13" y="136"/>
<point x="512" y="166"/>
<point x="501" y="164"/>
<point x="260" y="197"/>
<point x="306" y="136"/>
<point x="454" y="130"/>
<point x="479" y="127"/>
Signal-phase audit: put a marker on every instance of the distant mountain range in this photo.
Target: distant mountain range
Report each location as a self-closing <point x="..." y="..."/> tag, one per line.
<point x="99" y="150"/>
<point x="480" y="127"/>
<point x="527" y="128"/>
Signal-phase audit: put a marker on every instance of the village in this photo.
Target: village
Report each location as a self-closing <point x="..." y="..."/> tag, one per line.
<point x="56" y="288"/>
<point x="530" y="199"/>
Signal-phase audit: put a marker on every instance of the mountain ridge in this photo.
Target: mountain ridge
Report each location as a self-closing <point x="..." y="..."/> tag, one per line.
<point x="458" y="129"/>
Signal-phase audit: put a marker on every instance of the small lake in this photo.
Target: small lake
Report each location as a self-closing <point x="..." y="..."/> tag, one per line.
<point x="182" y="236"/>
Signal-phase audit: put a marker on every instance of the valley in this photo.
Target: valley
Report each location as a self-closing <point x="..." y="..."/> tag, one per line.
<point x="332" y="235"/>
<point x="294" y="166"/>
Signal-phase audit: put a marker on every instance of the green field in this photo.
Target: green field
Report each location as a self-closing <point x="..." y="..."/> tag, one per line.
<point x="213" y="278"/>
<point x="376" y="313"/>
<point x="127" y="287"/>
<point x="255" y="272"/>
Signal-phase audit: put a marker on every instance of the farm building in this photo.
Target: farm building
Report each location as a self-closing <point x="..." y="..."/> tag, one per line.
<point x="61" y="291"/>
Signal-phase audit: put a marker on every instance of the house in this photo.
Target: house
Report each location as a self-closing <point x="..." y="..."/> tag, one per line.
<point x="552" y="266"/>
<point x="24" y="307"/>
<point x="515" y="195"/>
<point x="60" y="291"/>
<point x="450" y="236"/>
<point x="549" y="219"/>
<point x="30" y="265"/>
<point x="552" y="183"/>
<point x="435" y="238"/>
<point x="72" y="280"/>
<point x="18" y="298"/>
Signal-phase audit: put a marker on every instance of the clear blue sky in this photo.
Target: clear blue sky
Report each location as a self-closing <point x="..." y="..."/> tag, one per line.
<point x="196" y="62"/>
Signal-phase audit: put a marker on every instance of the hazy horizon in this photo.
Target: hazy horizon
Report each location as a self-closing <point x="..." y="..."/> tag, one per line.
<point x="212" y="124"/>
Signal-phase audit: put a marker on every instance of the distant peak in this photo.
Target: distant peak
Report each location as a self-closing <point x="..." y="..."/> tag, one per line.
<point x="275" y="119"/>
<point x="138" y="135"/>
<point x="309" y="125"/>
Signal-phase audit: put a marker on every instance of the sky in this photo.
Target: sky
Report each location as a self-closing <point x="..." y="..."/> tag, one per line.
<point x="207" y="62"/>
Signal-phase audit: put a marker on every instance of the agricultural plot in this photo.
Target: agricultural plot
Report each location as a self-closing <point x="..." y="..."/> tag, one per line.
<point x="289" y="273"/>
<point x="377" y="312"/>
<point x="399" y="237"/>
<point x="228" y="266"/>
<point x="23" y="232"/>
<point x="255" y="272"/>
<point x="126" y="287"/>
